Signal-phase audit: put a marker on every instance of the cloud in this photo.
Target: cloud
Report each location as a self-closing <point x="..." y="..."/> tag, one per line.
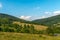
<point x="42" y="17"/>
<point x="56" y="12"/>
<point x="0" y="5"/>
<point x="25" y="17"/>
<point x="30" y="18"/>
<point x="47" y="12"/>
<point x="52" y="13"/>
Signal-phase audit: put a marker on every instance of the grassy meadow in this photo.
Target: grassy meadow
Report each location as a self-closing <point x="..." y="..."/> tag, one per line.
<point x="25" y="36"/>
<point x="37" y="27"/>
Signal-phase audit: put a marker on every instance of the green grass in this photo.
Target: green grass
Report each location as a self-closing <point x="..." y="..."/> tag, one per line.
<point x="25" y="36"/>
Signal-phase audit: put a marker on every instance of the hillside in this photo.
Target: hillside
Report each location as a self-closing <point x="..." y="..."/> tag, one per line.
<point x="48" y="21"/>
<point x="10" y="23"/>
<point x="10" y="18"/>
<point x="37" y="27"/>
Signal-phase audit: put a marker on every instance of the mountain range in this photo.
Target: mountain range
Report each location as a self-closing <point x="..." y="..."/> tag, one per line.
<point x="46" y="21"/>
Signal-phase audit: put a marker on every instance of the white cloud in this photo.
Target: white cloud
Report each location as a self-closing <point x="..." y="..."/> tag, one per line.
<point x="42" y="17"/>
<point x="47" y="12"/>
<point x="56" y="12"/>
<point x="52" y="13"/>
<point x="31" y="18"/>
<point x="25" y="17"/>
<point x="0" y="5"/>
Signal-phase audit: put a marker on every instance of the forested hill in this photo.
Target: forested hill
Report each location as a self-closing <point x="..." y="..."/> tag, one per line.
<point x="48" y="21"/>
<point x="5" y="17"/>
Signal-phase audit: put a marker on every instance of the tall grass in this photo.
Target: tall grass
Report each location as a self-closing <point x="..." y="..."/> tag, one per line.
<point x="25" y="36"/>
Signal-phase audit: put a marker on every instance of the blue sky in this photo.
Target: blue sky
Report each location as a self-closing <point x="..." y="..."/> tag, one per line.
<point x="30" y="9"/>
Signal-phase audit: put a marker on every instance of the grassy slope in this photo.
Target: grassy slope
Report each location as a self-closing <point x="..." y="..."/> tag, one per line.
<point x="24" y="36"/>
<point x="37" y="27"/>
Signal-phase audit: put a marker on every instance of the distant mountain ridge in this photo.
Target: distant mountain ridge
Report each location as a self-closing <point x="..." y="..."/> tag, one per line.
<point x="11" y="18"/>
<point x="48" y="21"/>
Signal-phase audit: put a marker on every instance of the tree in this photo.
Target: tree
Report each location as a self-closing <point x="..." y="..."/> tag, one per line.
<point x="31" y="29"/>
<point x="1" y="29"/>
<point x="19" y="28"/>
<point x="11" y="30"/>
<point x="51" y="30"/>
<point x="26" y="29"/>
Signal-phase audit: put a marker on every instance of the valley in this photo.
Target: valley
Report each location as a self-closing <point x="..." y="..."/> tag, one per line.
<point x="13" y="28"/>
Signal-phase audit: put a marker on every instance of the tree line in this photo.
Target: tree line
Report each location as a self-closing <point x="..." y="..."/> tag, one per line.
<point x="28" y="29"/>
